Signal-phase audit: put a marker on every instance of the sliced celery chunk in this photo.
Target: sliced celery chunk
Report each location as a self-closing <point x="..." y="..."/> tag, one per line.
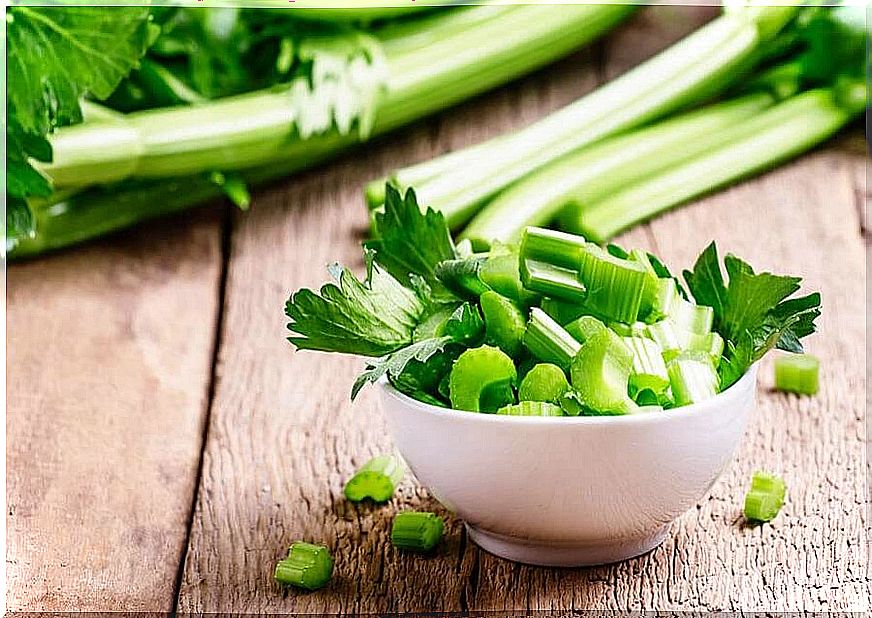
<point x="690" y="317"/>
<point x="416" y="531"/>
<point x="531" y="408"/>
<point x="505" y="323"/>
<point x="636" y="329"/>
<point x="552" y="247"/>
<point x="584" y="328"/>
<point x="481" y="380"/>
<point x="649" y="370"/>
<point x="563" y="312"/>
<point x="693" y="378"/>
<point x="797" y="373"/>
<point x="544" y="382"/>
<point x="548" y="341"/>
<point x="765" y="498"/>
<point x="376" y="480"/>
<point x="600" y="373"/>
<point x="501" y="272"/>
<point x="572" y="404"/>
<point x="665" y="297"/>
<point x="614" y="286"/>
<point x="553" y="281"/>
<point x="307" y="566"/>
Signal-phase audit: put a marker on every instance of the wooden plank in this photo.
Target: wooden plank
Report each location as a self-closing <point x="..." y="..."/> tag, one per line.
<point x="109" y="359"/>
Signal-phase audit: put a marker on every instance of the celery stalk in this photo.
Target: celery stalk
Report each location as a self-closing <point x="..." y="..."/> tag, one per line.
<point x="777" y="134"/>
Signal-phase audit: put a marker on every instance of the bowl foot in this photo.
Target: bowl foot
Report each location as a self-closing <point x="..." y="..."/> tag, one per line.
<point x="544" y="553"/>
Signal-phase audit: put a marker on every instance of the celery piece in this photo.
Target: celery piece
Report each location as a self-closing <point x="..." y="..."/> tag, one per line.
<point x="601" y="371"/>
<point x="307" y="566"/>
<point x="544" y="382"/>
<point x="563" y="312"/>
<point x="416" y="531"/>
<point x="572" y="404"/>
<point x="376" y="480"/>
<point x="462" y="276"/>
<point x="584" y="327"/>
<point x="553" y="247"/>
<point x="531" y="408"/>
<point x="505" y="323"/>
<point x="501" y="272"/>
<point x="691" y="317"/>
<point x="710" y="343"/>
<point x="649" y="370"/>
<point x="797" y="373"/>
<point x="553" y="281"/>
<point x="615" y="286"/>
<point x="665" y="334"/>
<point x="664" y="298"/>
<point x="693" y="378"/>
<point x="765" y="498"/>
<point x="481" y="380"/>
<point x="636" y="329"/>
<point x="548" y="341"/>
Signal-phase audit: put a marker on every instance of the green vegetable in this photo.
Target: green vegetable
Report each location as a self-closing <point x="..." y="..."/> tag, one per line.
<point x="693" y="378"/>
<point x="544" y="382"/>
<point x="307" y="566"/>
<point x="531" y="408"/>
<point x="615" y="286"/>
<point x="482" y="380"/>
<point x="548" y="341"/>
<point x="553" y="247"/>
<point x="691" y="317"/>
<point x="797" y="373"/>
<point x="462" y="276"/>
<point x="553" y="281"/>
<point x="765" y="498"/>
<point x="649" y="370"/>
<point x="584" y="328"/>
<point x="376" y="480"/>
<point x="416" y="531"/>
<point x="504" y="322"/>
<point x="753" y="312"/>
<point x="600" y="373"/>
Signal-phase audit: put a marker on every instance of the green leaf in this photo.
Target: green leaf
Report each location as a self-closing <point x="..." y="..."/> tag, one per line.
<point x="409" y="240"/>
<point x="58" y="54"/>
<point x="19" y="221"/>
<point x="394" y="364"/>
<point x="370" y="318"/>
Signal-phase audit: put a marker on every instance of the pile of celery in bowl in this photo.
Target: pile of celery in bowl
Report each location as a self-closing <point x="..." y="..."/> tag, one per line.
<point x="556" y="326"/>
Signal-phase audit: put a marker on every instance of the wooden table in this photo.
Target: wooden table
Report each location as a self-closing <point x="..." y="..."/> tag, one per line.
<point x="165" y="445"/>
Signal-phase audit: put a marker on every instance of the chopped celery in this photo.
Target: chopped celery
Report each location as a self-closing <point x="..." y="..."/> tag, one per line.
<point x="531" y="408"/>
<point x="553" y="247"/>
<point x="601" y="371"/>
<point x="416" y="531"/>
<point x="544" y="382"/>
<point x="765" y="498"/>
<point x="649" y="370"/>
<point x="307" y="566"/>
<point x="797" y="373"/>
<point x="710" y="343"/>
<point x="615" y="286"/>
<point x="481" y="380"/>
<point x="504" y="322"/>
<point x="572" y="404"/>
<point x="691" y="317"/>
<point x="664" y="298"/>
<point x="666" y="335"/>
<point x="376" y="480"/>
<point x="548" y="341"/>
<point x="636" y="329"/>
<point x="553" y="281"/>
<point x="561" y="311"/>
<point x="501" y="272"/>
<point x="584" y="327"/>
<point x="462" y="276"/>
<point x="693" y="378"/>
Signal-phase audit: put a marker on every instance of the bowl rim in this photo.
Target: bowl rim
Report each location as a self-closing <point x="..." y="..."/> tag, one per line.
<point x="675" y="413"/>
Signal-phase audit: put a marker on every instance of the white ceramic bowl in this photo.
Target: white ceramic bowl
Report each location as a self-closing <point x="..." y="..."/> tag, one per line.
<point x="570" y="491"/>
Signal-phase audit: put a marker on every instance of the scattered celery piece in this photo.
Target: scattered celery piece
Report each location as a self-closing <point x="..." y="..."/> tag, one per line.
<point x="615" y="286"/>
<point x="548" y="341"/>
<point x="553" y="281"/>
<point x="552" y="247"/>
<point x="481" y="380"/>
<point x="416" y="531"/>
<point x="307" y="566"/>
<point x="693" y="378"/>
<point x="797" y="373"/>
<point x="690" y="317"/>
<point x="531" y="408"/>
<point x="544" y="382"/>
<point x="376" y="480"/>
<point x="584" y="328"/>
<point x="765" y="498"/>
<point x="601" y="371"/>
<point x="505" y="323"/>
<point x="649" y="370"/>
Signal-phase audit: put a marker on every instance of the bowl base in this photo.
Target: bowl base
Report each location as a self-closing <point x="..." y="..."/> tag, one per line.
<point x="544" y="553"/>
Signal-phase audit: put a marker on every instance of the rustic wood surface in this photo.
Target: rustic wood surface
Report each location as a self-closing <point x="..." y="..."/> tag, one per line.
<point x="166" y="445"/>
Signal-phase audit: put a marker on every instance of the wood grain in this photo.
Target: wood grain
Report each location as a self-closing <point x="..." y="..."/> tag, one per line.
<point x="109" y="357"/>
